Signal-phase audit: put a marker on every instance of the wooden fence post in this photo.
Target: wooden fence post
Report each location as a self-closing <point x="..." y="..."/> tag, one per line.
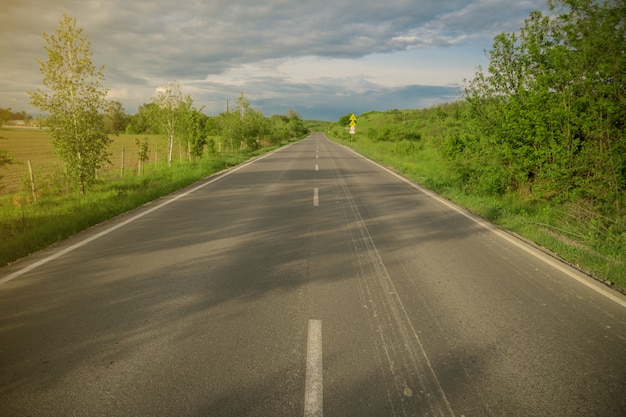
<point x="32" y="181"/>
<point x="122" y="171"/>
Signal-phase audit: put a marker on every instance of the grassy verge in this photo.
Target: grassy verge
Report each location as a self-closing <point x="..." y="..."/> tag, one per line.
<point x="570" y="237"/>
<point x="27" y="227"/>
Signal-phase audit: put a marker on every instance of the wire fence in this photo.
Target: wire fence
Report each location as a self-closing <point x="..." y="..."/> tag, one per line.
<point x="26" y="176"/>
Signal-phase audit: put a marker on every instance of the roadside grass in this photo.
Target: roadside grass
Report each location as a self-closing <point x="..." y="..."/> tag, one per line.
<point x="572" y="233"/>
<point x="34" y="145"/>
<point x="26" y="226"/>
<point x="560" y="229"/>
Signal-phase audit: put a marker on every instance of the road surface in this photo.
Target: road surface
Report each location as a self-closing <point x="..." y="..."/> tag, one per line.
<point x="308" y="282"/>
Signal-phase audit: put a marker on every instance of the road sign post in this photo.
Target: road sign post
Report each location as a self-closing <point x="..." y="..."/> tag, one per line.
<point x="352" y="126"/>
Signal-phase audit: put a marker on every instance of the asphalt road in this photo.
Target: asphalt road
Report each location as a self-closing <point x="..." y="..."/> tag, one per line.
<point x="310" y="281"/>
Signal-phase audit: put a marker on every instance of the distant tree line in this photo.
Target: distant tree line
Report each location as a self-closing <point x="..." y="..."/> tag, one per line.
<point x="238" y="128"/>
<point x="7" y="115"/>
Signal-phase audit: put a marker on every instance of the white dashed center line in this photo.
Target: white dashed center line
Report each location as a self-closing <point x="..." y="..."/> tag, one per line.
<point x="313" y="390"/>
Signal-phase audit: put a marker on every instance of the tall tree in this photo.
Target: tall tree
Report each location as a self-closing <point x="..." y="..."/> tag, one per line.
<point x="142" y="121"/>
<point x="252" y="124"/>
<point x="227" y="125"/>
<point x="296" y="125"/>
<point x="74" y="99"/>
<point x="192" y="128"/>
<point x="169" y="102"/>
<point x="115" y="117"/>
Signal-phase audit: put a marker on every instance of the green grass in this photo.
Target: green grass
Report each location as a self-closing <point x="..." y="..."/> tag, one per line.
<point x="34" y="145"/>
<point x="26" y="227"/>
<point x="572" y="232"/>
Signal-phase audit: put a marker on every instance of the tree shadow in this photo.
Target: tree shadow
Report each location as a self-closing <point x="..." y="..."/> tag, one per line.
<point x="175" y="301"/>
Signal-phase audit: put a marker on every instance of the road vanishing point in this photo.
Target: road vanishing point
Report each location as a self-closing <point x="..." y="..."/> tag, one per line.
<point x="309" y="281"/>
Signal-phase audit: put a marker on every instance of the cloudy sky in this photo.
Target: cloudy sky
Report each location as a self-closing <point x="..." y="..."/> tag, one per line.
<point x="322" y="58"/>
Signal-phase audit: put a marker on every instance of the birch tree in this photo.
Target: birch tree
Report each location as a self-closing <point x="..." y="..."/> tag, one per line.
<point x="73" y="97"/>
<point x="169" y="102"/>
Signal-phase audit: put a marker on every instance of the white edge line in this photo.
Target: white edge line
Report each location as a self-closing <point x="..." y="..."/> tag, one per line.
<point x="105" y="232"/>
<point x="569" y="271"/>
<point x="313" y="390"/>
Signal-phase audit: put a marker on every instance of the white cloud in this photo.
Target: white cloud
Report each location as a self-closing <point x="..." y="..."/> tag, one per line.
<point x="269" y="50"/>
